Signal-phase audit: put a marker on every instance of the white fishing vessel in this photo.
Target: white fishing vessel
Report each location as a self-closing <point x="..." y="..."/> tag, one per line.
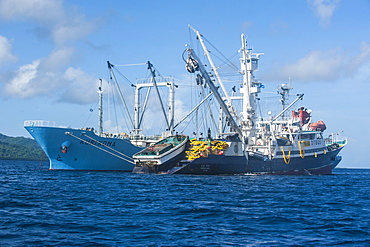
<point x="279" y="145"/>
<point x="161" y="156"/>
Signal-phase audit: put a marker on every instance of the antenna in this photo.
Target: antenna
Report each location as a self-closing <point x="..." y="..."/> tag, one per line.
<point x="283" y="90"/>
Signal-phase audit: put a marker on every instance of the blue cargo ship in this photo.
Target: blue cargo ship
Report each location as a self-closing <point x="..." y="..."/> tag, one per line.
<point x="96" y="150"/>
<point x="82" y="149"/>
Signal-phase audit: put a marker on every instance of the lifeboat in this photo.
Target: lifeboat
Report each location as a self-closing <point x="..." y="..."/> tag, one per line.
<point x="319" y="125"/>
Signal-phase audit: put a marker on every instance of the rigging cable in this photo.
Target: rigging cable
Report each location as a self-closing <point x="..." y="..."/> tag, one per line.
<point x="122" y="75"/>
<point x="230" y="63"/>
<point x="91" y="111"/>
<point x="209" y="104"/>
<point x="122" y="98"/>
<point x="150" y="67"/>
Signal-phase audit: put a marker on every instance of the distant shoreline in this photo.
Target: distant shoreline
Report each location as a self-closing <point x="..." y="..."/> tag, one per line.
<point x="23" y="159"/>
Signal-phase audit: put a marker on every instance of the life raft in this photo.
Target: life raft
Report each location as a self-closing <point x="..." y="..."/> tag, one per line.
<point x="319" y="125"/>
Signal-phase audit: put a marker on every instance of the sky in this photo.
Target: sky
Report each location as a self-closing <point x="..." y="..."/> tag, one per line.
<point x="52" y="53"/>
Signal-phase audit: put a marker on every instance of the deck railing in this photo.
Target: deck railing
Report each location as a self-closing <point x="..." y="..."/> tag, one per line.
<point x="337" y="138"/>
<point x="40" y="123"/>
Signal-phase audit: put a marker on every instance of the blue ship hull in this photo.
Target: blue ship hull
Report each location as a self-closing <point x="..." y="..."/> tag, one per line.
<point x="76" y="149"/>
<point x="212" y="165"/>
<point x="227" y="165"/>
<point x="309" y="165"/>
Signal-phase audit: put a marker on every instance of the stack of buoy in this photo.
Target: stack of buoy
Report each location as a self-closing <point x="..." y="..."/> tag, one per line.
<point x="204" y="148"/>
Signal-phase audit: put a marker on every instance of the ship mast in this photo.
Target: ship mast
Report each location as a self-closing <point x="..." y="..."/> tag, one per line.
<point x="250" y="89"/>
<point x="100" y="92"/>
<point x="194" y="64"/>
<point x="217" y="75"/>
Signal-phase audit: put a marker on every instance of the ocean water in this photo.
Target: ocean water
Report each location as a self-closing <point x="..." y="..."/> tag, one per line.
<point x="66" y="208"/>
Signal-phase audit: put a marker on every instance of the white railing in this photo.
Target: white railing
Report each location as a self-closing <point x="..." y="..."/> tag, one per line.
<point x="40" y="123"/>
<point x="337" y="138"/>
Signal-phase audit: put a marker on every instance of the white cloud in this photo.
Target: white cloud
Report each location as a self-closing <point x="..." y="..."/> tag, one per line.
<point x="245" y="26"/>
<point x="58" y="59"/>
<point x="316" y="65"/>
<point x="180" y="109"/>
<point x="39" y="10"/>
<point x="75" y="28"/>
<point x="324" y="10"/>
<point x="31" y="81"/>
<point x="109" y="127"/>
<point x="81" y="88"/>
<point x="362" y="57"/>
<point x="20" y="84"/>
<point x="64" y="26"/>
<point x="41" y="76"/>
<point x="278" y="28"/>
<point x="326" y="65"/>
<point x="73" y="85"/>
<point x="6" y="55"/>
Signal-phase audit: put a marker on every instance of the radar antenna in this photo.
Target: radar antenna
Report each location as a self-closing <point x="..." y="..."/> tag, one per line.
<point x="283" y="90"/>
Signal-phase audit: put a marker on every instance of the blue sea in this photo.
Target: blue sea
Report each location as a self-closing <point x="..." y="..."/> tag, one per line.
<point x="67" y="208"/>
